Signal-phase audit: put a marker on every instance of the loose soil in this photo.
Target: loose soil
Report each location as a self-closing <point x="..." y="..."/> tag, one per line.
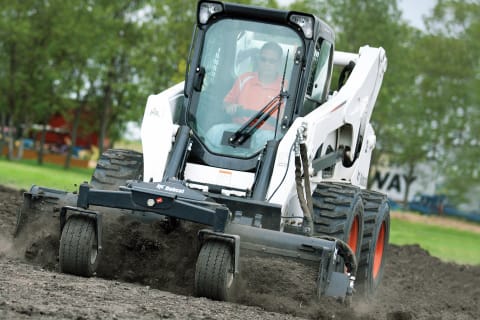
<point x="147" y="273"/>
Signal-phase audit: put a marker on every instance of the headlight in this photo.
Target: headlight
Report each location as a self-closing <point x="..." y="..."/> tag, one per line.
<point x="304" y="22"/>
<point x="207" y="9"/>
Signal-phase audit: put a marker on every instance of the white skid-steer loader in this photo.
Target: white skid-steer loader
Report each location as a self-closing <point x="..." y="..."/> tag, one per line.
<point x="289" y="179"/>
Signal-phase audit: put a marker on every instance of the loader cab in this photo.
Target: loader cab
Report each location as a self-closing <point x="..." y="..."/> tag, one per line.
<point x="227" y="56"/>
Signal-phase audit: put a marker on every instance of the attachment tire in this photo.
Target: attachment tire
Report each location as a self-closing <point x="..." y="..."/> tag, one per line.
<point x="78" y="250"/>
<point x="214" y="273"/>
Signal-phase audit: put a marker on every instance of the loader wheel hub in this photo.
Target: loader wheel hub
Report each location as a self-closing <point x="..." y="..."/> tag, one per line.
<point x="353" y="236"/>
<point x="378" y="255"/>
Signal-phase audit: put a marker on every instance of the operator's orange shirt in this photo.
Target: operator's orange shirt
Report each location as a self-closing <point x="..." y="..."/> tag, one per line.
<point x="250" y="93"/>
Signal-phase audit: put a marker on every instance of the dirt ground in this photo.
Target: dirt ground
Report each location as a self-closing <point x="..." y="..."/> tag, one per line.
<point x="148" y="274"/>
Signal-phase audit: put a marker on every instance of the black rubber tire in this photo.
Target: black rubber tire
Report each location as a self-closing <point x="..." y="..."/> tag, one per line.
<point x="115" y="167"/>
<point x="375" y="240"/>
<point x="338" y="213"/>
<point x="78" y="247"/>
<point x="214" y="272"/>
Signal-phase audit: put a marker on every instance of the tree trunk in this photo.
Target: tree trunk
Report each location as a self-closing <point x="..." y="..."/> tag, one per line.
<point x="374" y="162"/>
<point x="10" y="139"/>
<point x="11" y="99"/>
<point x="104" y="117"/>
<point x="408" y="182"/>
<point x="3" y="125"/>
<point x="42" y="144"/>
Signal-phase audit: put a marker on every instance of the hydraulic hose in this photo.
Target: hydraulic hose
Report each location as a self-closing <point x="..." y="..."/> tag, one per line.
<point x="344" y="249"/>
<point x="298" y="180"/>
<point x="346" y="253"/>
<point x="306" y="177"/>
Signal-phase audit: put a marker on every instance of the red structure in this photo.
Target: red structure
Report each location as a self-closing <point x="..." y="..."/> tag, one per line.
<point x="59" y="131"/>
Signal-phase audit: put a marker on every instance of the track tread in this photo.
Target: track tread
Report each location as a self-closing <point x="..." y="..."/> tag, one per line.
<point x="115" y="167"/>
<point x="374" y="202"/>
<point x="332" y="205"/>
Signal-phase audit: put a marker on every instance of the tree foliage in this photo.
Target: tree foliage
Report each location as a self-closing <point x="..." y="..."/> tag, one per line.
<point x="452" y="80"/>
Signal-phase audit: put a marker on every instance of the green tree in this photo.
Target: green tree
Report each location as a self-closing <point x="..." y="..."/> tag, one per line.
<point x="452" y="82"/>
<point x="14" y="86"/>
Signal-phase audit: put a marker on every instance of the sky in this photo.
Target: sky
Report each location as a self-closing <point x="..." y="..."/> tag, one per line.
<point x="412" y="10"/>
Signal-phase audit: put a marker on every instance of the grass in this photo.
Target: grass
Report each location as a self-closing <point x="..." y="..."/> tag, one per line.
<point x="23" y="174"/>
<point x="446" y="243"/>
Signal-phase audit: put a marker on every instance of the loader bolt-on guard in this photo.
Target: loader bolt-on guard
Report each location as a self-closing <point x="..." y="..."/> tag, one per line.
<point x="310" y="249"/>
<point x="280" y="170"/>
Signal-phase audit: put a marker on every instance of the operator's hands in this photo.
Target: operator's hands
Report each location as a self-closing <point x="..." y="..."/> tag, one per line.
<point x="233" y="108"/>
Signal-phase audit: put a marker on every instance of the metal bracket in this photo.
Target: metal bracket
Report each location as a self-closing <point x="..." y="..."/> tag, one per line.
<point x="327" y="160"/>
<point x="329" y="282"/>
<point x="161" y="199"/>
<point x="338" y="285"/>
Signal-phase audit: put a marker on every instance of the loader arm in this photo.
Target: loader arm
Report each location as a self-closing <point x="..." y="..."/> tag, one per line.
<point x="351" y="108"/>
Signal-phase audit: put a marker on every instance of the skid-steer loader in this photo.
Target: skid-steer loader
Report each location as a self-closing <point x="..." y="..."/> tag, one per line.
<point x="288" y="180"/>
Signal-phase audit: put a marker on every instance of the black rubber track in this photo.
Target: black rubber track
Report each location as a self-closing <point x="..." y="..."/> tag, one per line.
<point x="77" y="245"/>
<point x="376" y="210"/>
<point x="214" y="271"/>
<point x="116" y="166"/>
<point x="334" y="206"/>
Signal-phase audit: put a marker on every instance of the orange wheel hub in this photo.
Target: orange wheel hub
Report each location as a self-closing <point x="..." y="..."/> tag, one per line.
<point x="378" y="254"/>
<point x="353" y="236"/>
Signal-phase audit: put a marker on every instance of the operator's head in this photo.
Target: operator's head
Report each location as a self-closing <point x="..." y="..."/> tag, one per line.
<point x="269" y="61"/>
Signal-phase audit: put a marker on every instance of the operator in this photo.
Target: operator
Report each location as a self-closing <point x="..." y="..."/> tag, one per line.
<point x="250" y="93"/>
<point x="253" y="90"/>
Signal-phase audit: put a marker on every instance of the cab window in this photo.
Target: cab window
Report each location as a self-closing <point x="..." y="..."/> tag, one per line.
<point x="318" y="82"/>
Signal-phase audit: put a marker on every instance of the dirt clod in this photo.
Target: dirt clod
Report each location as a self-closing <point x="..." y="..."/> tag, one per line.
<point x="148" y="273"/>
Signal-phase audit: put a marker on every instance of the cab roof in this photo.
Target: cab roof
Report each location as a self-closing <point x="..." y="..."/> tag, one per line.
<point x="267" y="15"/>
